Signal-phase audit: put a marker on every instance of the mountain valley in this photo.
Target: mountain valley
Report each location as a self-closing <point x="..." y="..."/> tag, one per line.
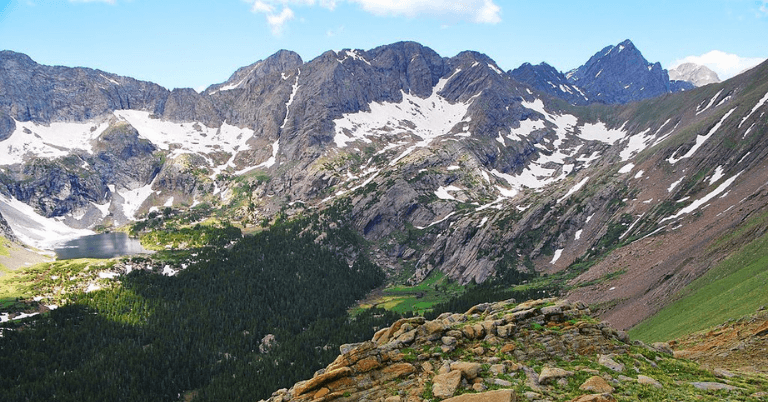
<point x="611" y="184"/>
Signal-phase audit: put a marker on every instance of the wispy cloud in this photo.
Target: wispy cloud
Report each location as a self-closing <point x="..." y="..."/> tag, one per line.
<point x="763" y="9"/>
<point x="93" y="1"/>
<point x="278" y="19"/>
<point x="479" y="11"/>
<point x="279" y="12"/>
<point x="726" y="65"/>
<point x="334" y="32"/>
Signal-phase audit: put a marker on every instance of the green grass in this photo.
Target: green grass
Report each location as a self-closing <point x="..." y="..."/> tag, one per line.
<point x="3" y="249"/>
<point x="55" y="279"/>
<point x="437" y="288"/>
<point x="734" y="288"/>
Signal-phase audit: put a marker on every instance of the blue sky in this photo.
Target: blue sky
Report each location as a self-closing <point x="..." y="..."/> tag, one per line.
<point x="194" y="44"/>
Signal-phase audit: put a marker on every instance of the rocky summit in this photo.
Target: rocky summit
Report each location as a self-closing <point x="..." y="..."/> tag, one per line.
<point x="696" y="74"/>
<point x="620" y="74"/>
<point x="539" y="350"/>
<point x="547" y="79"/>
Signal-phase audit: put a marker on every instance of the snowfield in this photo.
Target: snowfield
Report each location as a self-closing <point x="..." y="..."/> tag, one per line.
<point x="52" y="141"/>
<point x="35" y="229"/>
<point x="425" y="118"/>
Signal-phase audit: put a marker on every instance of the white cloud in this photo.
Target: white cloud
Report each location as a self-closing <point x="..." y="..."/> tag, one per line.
<point x="93" y="1"/>
<point x="763" y="9"/>
<point x="726" y="65"/>
<point x="477" y="11"/>
<point x="277" y="21"/>
<point x="480" y="11"/>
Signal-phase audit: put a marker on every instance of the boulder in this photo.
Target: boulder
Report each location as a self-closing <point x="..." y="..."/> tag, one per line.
<point x="596" y="384"/>
<point x="468" y="370"/>
<point x="594" y="398"/>
<point x="551" y="374"/>
<point x="322" y="379"/>
<point x="713" y="386"/>
<point x="662" y="347"/>
<point x="645" y="380"/>
<point x="500" y="395"/>
<point x="445" y="385"/>
<point x="607" y="362"/>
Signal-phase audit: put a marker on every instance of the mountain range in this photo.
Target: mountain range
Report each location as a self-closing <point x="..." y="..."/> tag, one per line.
<point x="632" y="184"/>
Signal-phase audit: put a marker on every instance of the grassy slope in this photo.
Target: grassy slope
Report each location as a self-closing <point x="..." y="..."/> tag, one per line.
<point x="734" y="288"/>
<point x="435" y="289"/>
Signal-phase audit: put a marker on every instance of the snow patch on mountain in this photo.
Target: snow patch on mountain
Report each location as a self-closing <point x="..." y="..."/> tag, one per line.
<point x="700" y="110"/>
<point x="760" y="103"/>
<point x="443" y="192"/>
<point x="52" y="141"/>
<point x="700" y="202"/>
<point x="133" y="199"/>
<point x="599" y="132"/>
<point x="574" y="189"/>
<point x="426" y="118"/>
<point x="35" y="229"/>
<point x="184" y="138"/>
<point x="700" y="140"/>
<point x="717" y="175"/>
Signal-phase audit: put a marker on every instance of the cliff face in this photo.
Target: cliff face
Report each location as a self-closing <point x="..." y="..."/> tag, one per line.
<point x="540" y="350"/>
<point x="34" y="92"/>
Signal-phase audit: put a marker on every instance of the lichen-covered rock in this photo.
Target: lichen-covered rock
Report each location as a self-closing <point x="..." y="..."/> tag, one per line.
<point x="596" y="384"/>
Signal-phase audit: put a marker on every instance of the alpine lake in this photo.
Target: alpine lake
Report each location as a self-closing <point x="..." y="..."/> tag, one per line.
<point x="102" y="245"/>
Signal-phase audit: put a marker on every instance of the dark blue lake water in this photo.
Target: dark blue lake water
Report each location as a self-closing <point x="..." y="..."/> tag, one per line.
<point x="103" y="245"/>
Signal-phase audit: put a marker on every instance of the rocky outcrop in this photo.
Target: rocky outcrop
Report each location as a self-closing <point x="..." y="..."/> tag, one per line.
<point x="6" y="231"/>
<point x="458" y="357"/>
<point x="55" y="187"/>
<point x="548" y="347"/>
<point x="125" y="159"/>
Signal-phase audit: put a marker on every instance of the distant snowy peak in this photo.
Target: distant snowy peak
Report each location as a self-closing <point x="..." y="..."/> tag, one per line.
<point x="696" y="74"/>
<point x="620" y="74"/>
<point x="547" y="79"/>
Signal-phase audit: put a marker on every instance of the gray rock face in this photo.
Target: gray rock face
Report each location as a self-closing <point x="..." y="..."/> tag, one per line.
<point x="547" y="79"/>
<point x="55" y="187"/>
<point x="620" y="74"/>
<point x="125" y="159"/>
<point x="279" y="62"/>
<point x="6" y="231"/>
<point x="185" y="104"/>
<point x="33" y="92"/>
<point x="696" y="74"/>
<point x="7" y="126"/>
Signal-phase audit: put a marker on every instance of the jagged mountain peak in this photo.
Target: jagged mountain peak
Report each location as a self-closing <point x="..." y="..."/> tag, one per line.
<point x="621" y="74"/>
<point x="547" y="79"/>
